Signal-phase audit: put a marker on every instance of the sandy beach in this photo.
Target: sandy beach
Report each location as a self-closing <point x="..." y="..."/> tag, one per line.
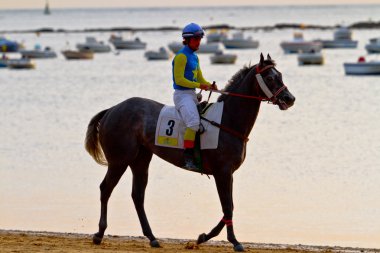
<point x="30" y="241"/>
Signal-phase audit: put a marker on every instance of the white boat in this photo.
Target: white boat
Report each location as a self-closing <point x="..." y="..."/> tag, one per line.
<point x="23" y="63"/>
<point x="94" y="45"/>
<point x="216" y="36"/>
<point x="310" y="58"/>
<point x="221" y="58"/>
<point x="78" y="55"/>
<point x="238" y="41"/>
<point x="161" y="54"/>
<point x="120" y="43"/>
<point x="38" y="53"/>
<point x="362" y="67"/>
<point x="298" y="44"/>
<point x="373" y="46"/>
<point x="342" y="39"/>
<point x="204" y="48"/>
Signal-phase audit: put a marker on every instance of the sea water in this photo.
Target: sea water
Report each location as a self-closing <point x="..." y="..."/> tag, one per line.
<point x="311" y="175"/>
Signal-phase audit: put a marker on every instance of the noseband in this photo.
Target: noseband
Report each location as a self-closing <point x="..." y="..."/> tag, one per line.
<point x="264" y="87"/>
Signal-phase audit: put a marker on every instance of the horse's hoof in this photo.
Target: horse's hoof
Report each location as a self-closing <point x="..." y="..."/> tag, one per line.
<point x="96" y="239"/>
<point x="201" y="238"/>
<point x="154" y="244"/>
<point x="239" y="248"/>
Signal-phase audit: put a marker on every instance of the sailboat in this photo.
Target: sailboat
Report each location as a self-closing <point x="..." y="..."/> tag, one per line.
<point x="47" y="9"/>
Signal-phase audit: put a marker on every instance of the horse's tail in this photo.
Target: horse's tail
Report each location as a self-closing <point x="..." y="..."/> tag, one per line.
<point x="92" y="143"/>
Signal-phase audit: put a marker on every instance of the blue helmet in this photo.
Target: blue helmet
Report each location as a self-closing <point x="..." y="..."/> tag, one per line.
<point x="192" y="30"/>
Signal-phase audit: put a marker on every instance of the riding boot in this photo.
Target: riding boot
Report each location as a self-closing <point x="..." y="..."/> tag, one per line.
<point x="189" y="139"/>
<point x="189" y="160"/>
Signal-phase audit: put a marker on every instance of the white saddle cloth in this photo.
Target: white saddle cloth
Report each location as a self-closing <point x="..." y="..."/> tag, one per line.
<point x="170" y="127"/>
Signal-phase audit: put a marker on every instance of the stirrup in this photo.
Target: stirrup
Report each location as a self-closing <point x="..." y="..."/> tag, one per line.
<point x="190" y="165"/>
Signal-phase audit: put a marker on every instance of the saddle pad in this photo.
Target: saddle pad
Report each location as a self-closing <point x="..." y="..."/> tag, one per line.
<point x="171" y="128"/>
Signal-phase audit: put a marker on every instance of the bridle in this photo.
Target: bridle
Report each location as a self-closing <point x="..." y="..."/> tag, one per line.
<point x="264" y="87"/>
<point x="270" y="97"/>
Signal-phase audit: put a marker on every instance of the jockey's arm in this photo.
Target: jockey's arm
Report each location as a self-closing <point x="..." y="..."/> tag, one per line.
<point x="179" y="72"/>
<point x="201" y="79"/>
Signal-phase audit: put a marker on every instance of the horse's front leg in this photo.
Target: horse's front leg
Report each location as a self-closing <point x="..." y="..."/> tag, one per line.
<point x="224" y="184"/>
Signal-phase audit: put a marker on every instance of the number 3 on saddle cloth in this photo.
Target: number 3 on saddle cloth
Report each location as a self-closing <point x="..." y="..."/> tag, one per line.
<point x="170" y="128"/>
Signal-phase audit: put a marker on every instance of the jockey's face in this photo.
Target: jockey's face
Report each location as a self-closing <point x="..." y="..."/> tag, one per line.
<point x="194" y="43"/>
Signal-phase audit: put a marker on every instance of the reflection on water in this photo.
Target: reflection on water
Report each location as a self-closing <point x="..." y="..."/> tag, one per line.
<point x="311" y="173"/>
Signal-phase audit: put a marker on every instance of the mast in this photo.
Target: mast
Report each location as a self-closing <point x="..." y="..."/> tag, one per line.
<point x="47" y="9"/>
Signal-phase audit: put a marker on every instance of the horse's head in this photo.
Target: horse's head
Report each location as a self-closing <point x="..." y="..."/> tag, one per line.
<point x="271" y="85"/>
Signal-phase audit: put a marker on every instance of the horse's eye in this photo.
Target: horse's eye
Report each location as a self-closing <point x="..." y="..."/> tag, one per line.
<point x="269" y="79"/>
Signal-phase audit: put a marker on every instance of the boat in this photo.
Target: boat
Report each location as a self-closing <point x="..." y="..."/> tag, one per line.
<point x="3" y="63"/>
<point x="8" y="45"/>
<point x="38" y="53"/>
<point x="161" y="54"/>
<point x="238" y="41"/>
<point x="204" y="48"/>
<point x="373" y="46"/>
<point x="23" y="63"/>
<point x="78" y="55"/>
<point x="362" y="67"/>
<point x="92" y="44"/>
<point x="298" y="44"/>
<point x="47" y="8"/>
<point x="310" y="58"/>
<point x="342" y="39"/>
<point x="120" y="43"/>
<point x="216" y="36"/>
<point x="221" y="58"/>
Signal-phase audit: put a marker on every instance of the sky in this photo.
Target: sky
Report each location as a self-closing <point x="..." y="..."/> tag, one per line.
<point x="37" y="4"/>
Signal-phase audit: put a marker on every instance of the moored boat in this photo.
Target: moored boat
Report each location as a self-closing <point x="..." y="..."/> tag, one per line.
<point x="120" y="43"/>
<point x="38" y="53"/>
<point x="342" y="39"/>
<point x="8" y="45"/>
<point x="161" y="54"/>
<point x="373" y="46"/>
<point x="362" y="67"/>
<point x="310" y="58"/>
<point x="78" y="55"/>
<point x="238" y="41"/>
<point x="298" y="44"/>
<point x="23" y="63"/>
<point x="92" y="44"/>
<point x="221" y="58"/>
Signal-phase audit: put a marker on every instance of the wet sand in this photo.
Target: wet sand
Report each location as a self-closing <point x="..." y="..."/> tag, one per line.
<point x="28" y="241"/>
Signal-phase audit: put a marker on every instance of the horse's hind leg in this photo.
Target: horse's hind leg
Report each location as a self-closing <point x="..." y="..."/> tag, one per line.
<point x="109" y="182"/>
<point x="139" y="169"/>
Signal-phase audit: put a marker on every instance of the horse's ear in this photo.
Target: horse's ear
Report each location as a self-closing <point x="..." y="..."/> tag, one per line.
<point x="261" y="59"/>
<point x="268" y="57"/>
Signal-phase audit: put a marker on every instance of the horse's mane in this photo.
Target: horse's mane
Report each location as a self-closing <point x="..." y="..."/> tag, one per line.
<point x="236" y="79"/>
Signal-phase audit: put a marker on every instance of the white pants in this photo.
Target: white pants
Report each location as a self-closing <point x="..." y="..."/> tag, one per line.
<point x="185" y="102"/>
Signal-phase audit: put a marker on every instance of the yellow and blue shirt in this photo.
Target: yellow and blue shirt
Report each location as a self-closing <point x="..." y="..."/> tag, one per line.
<point x="186" y="70"/>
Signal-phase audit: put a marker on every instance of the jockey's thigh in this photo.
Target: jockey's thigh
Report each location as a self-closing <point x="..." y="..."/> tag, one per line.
<point x="186" y="103"/>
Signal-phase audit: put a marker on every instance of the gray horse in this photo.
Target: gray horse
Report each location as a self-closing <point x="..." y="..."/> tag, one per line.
<point x="124" y="135"/>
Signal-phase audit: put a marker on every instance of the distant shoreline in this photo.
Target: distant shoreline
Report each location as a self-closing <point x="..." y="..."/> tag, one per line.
<point x="357" y="25"/>
<point x="40" y="241"/>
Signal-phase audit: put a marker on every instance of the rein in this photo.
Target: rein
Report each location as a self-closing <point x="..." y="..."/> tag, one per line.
<point x="226" y="129"/>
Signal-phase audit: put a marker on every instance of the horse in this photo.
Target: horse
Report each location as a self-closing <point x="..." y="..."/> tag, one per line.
<point x="124" y="136"/>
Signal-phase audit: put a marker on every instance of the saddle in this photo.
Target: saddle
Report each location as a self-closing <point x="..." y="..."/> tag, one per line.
<point x="170" y="127"/>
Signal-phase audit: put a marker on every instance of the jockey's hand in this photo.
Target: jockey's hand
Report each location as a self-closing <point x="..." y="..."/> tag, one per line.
<point x="204" y="86"/>
<point x="213" y="86"/>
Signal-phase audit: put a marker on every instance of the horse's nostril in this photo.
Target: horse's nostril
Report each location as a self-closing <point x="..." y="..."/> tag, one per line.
<point x="289" y="99"/>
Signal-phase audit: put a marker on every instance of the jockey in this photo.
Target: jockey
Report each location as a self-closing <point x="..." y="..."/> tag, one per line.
<point x="187" y="76"/>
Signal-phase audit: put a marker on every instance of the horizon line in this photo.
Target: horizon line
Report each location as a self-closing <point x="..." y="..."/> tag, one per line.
<point x="192" y="6"/>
